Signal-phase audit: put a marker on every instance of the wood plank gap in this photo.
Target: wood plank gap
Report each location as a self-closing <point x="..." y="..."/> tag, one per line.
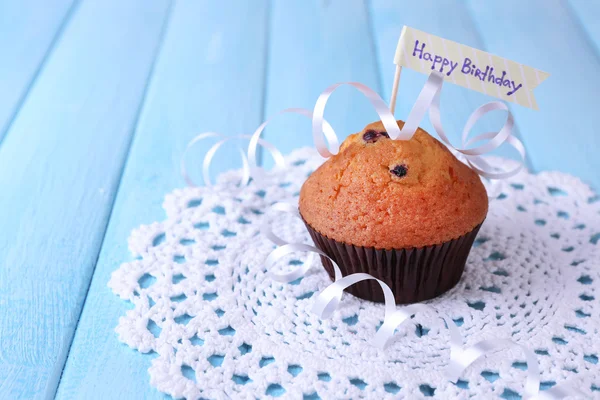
<point x="471" y="16"/>
<point x="515" y="130"/>
<point x="582" y="26"/>
<point x="371" y="26"/>
<point x="159" y="45"/>
<point x="36" y="74"/>
<point x="267" y="46"/>
<point x="197" y="68"/>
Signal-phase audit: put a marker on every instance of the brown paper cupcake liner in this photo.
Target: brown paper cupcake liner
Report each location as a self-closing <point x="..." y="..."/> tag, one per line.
<point x="413" y="274"/>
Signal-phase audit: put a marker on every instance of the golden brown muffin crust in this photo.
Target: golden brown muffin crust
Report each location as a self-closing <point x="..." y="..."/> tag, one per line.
<point x="387" y="193"/>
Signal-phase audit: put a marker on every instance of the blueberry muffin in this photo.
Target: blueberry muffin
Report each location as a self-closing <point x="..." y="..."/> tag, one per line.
<point x="404" y="211"/>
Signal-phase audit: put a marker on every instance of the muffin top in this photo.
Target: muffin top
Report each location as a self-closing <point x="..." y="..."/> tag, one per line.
<point x="384" y="193"/>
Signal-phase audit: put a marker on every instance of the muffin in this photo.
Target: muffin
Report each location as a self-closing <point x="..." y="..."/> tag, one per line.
<point x="405" y="211"/>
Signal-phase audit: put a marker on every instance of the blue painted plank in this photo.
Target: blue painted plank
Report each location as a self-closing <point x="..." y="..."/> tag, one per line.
<point x="588" y="14"/>
<point x="314" y="45"/>
<point x="202" y="81"/>
<point x="448" y="19"/>
<point x="563" y="134"/>
<point x="28" y="29"/>
<point x="60" y="165"/>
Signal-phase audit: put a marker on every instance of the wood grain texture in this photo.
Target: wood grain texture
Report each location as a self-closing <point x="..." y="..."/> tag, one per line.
<point x="563" y="134"/>
<point x="60" y="164"/>
<point x="28" y="29"/>
<point x="73" y="83"/>
<point x="203" y="80"/>
<point x="451" y="20"/>
<point x="314" y="45"/>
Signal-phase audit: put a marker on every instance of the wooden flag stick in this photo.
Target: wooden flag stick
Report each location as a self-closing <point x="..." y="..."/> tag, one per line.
<point x="395" y="87"/>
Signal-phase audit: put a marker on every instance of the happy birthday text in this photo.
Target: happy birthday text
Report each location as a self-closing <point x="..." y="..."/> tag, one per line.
<point x="447" y="66"/>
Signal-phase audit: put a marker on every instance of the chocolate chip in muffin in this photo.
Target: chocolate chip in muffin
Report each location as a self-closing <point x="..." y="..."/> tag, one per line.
<point x="372" y="136"/>
<point x="399" y="170"/>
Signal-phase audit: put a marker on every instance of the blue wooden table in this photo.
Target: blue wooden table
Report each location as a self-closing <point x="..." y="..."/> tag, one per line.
<point x="98" y="99"/>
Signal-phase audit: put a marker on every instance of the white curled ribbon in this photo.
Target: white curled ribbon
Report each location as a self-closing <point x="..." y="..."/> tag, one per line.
<point x="466" y="356"/>
<point x="209" y="156"/>
<point x="495" y="139"/>
<point x="403" y="314"/>
<point x="283" y="207"/>
<point x="429" y="99"/>
<point x="382" y="109"/>
<point x="329" y="299"/>
<point x="325" y="128"/>
<point x="327" y="144"/>
<point x="250" y="166"/>
<point x="286" y="248"/>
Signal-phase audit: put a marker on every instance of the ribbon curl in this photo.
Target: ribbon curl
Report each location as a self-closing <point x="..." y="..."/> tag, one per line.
<point x="327" y="142"/>
<point x="324" y="128"/>
<point x="429" y="99"/>
<point x="461" y="357"/>
<point x="329" y="299"/>
<point x="208" y="157"/>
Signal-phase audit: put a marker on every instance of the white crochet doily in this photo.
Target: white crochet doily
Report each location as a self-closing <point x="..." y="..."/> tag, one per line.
<point x="223" y="329"/>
